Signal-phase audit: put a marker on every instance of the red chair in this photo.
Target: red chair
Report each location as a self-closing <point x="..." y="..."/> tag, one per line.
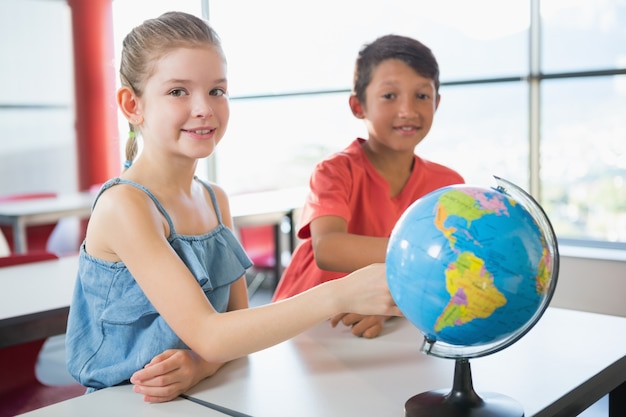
<point x="22" y="258"/>
<point x="20" y="390"/>
<point x="36" y="235"/>
<point x="261" y="245"/>
<point x="5" y="250"/>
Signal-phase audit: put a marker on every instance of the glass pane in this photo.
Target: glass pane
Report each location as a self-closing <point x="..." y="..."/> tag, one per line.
<point x="482" y="131"/>
<point x="583" y="35"/>
<point x="37" y="150"/>
<point x="36" y="51"/>
<point x="129" y="13"/>
<point x="281" y="45"/>
<point x="480" y="121"/>
<point x="583" y="163"/>
<point x="275" y="143"/>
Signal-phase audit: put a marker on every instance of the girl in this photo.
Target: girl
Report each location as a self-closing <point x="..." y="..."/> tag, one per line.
<point x="159" y="262"/>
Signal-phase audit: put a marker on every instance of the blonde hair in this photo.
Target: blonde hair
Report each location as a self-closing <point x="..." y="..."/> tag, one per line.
<point x="150" y="41"/>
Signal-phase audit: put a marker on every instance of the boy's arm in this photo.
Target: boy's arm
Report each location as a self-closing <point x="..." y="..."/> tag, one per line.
<point x="337" y="250"/>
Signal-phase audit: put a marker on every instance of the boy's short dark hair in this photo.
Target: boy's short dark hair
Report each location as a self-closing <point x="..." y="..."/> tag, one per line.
<point x="408" y="50"/>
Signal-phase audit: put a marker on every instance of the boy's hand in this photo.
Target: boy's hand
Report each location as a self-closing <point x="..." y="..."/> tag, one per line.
<point x="362" y="326"/>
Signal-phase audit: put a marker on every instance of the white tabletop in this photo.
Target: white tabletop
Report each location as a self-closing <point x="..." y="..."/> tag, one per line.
<point x="35" y="299"/>
<point x="265" y="206"/>
<point x="37" y="286"/>
<point x="79" y="203"/>
<point x="122" y="401"/>
<point x="21" y="213"/>
<point x="329" y="372"/>
<point x="567" y="362"/>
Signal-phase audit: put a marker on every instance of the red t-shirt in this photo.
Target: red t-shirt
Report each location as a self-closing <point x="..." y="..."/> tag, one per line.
<point x="347" y="185"/>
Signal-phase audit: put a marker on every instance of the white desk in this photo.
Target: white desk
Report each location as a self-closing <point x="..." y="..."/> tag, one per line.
<point x="558" y="369"/>
<point x="266" y="206"/>
<point x="22" y="213"/>
<point x="565" y="364"/>
<point x="122" y="401"/>
<point x="35" y="299"/>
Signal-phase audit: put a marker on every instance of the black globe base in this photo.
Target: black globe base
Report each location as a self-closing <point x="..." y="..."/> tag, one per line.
<point x="462" y="400"/>
<point x="439" y="404"/>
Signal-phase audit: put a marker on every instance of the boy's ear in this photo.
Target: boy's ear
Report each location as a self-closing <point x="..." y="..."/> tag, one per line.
<point x="356" y="107"/>
<point x="128" y="104"/>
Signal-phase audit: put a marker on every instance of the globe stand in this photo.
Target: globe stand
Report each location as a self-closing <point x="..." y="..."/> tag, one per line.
<point x="462" y="400"/>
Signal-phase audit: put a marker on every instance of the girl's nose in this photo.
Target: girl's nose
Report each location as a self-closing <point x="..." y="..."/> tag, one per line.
<point x="202" y="109"/>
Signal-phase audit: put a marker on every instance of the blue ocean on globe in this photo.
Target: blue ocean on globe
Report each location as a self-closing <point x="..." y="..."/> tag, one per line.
<point x="470" y="266"/>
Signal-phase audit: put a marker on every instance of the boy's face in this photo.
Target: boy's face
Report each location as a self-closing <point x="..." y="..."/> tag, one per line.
<point x="399" y="106"/>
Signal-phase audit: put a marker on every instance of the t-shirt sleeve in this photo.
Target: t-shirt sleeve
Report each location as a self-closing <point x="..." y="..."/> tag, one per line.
<point x="330" y="186"/>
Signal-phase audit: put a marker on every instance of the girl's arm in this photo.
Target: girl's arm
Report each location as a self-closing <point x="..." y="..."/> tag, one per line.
<point x="135" y="232"/>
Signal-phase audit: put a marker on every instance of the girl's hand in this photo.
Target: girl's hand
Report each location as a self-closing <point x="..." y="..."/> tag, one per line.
<point x="170" y="374"/>
<point x="365" y="291"/>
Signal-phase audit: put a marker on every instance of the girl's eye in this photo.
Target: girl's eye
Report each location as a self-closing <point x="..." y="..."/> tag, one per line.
<point x="389" y="96"/>
<point x="217" y="92"/>
<point x="177" y="92"/>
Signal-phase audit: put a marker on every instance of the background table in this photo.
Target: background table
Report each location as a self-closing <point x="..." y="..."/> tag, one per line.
<point x="567" y="362"/>
<point x="22" y="213"/>
<point x="35" y="299"/>
<point x="269" y="207"/>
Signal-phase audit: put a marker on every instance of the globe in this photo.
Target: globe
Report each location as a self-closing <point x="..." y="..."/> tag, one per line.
<point x="473" y="268"/>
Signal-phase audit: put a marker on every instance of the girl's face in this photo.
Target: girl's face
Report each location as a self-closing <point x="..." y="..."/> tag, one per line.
<point x="399" y="106"/>
<point x="185" y="105"/>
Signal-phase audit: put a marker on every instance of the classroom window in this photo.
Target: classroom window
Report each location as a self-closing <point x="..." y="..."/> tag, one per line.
<point x="290" y="75"/>
<point x="290" y="72"/>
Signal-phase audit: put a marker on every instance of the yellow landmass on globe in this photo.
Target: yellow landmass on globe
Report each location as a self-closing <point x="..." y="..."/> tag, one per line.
<point x="543" y="275"/>
<point x="472" y="292"/>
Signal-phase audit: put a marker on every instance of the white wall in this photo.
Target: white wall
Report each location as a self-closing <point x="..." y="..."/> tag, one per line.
<point x="593" y="285"/>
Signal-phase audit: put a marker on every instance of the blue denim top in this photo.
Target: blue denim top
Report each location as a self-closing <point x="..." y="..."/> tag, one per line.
<point x="113" y="330"/>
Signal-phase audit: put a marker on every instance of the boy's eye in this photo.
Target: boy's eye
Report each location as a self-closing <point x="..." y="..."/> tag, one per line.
<point x="177" y="92"/>
<point x="423" y="96"/>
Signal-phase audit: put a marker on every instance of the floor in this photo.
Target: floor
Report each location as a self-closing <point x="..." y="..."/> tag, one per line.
<point x="599" y="409"/>
<point x="262" y="294"/>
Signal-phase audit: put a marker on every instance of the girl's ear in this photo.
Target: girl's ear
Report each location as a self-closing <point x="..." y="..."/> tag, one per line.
<point x="356" y="107"/>
<point x="128" y="104"/>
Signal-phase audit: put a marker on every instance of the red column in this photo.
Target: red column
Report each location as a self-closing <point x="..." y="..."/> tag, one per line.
<point x="95" y="107"/>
